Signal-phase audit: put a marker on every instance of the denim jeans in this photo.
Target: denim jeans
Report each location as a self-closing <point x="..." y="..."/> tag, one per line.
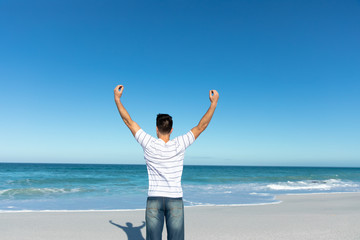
<point x="172" y="209"/>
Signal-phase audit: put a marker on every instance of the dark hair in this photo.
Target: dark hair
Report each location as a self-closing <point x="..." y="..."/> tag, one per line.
<point x="164" y="123"/>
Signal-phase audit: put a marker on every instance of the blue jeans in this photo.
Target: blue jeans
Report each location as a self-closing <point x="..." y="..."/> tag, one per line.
<point x="173" y="210"/>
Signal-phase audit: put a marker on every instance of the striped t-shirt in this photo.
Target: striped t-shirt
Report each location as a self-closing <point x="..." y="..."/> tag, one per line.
<point x="164" y="163"/>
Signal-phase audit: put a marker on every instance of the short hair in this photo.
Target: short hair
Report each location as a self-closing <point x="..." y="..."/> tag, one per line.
<point x="164" y="123"/>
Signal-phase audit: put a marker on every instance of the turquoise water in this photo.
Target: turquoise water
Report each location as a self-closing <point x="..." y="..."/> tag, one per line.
<point x="107" y="187"/>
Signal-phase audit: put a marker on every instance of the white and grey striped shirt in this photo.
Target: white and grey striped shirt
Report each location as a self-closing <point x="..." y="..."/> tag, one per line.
<point x="164" y="163"/>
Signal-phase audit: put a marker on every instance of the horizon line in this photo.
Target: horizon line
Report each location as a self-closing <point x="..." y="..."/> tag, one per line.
<point x="200" y="165"/>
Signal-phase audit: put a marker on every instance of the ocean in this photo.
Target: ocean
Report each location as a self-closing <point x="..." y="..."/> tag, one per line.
<point x="67" y="187"/>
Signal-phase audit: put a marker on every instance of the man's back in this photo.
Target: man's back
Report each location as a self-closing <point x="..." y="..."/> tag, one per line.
<point x="164" y="163"/>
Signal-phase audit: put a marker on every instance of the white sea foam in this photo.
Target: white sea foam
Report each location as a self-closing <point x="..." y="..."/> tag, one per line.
<point x="192" y="203"/>
<point x="37" y="191"/>
<point x="260" y="194"/>
<point x="324" y="185"/>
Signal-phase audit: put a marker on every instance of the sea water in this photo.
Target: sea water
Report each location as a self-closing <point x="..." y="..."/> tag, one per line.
<point x="34" y="187"/>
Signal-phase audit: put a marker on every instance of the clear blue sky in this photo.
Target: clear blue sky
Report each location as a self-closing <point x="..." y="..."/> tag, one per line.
<point x="288" y="74"/>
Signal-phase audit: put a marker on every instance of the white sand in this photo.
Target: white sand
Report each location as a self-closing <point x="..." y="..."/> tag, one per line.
<point x="316" y="216"/>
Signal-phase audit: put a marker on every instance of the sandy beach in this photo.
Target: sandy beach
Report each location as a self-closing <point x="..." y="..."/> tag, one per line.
<point x="315" y="216"/>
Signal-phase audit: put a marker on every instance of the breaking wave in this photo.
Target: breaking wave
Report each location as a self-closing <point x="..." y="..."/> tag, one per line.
<point x="36" y="191"/>
<point x="319" y="185"/>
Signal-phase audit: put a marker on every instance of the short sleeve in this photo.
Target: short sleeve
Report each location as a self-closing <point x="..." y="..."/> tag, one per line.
<point x="143" y="138"/>
<point x="186" y="140"/>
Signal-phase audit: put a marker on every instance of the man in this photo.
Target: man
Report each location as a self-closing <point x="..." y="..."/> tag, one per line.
<point x="164" y="161"/>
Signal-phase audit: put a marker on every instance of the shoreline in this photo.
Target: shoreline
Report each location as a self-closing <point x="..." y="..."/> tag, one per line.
<point x="206" y="205"/>
<point x="306" y="216"/>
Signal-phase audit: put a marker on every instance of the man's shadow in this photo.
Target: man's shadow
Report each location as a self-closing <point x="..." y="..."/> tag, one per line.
<point x="133" y="233"/>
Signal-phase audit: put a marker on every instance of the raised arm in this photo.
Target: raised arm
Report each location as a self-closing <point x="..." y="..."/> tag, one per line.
<point x="205" y="120"/>
<point x="133" y="126"/>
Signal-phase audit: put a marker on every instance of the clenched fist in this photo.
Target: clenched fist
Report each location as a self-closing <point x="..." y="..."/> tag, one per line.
<point x="214" y="96"/>
<point x="118" y="91"/>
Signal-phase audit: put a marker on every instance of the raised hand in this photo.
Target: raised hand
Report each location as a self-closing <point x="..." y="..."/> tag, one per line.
<point x="214" y="96"/>
<point x="118" y="91"/>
